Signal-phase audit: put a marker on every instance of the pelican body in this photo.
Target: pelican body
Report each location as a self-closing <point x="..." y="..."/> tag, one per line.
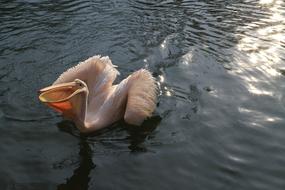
<point x="86" y="95"/>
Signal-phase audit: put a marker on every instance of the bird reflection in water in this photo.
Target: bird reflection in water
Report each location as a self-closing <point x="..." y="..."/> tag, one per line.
<point x="137" y="135"/>
<point x="81" y="175"/>
<point x="80" y="178"/>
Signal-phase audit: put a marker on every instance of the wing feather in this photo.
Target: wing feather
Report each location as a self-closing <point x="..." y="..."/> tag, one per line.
<point x="142" y="95"/>
<point x="98" y="73"/>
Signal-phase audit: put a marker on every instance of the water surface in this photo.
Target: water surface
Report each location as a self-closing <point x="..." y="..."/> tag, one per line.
<point x="220" y="68"/>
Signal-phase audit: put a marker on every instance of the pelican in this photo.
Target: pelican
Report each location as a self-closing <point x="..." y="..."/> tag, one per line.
<point x="86" y="95"/>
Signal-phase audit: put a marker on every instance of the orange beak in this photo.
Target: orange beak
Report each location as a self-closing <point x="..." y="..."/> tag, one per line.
<point x="58" y="96"/>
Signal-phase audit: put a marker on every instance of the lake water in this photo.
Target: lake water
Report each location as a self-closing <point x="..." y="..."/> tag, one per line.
<point x="219" y="123"/>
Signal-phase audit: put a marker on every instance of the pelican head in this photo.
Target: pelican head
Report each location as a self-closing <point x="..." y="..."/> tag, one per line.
<point x="65" y="97"/>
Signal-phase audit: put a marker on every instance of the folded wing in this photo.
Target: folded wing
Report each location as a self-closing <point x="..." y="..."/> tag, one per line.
<point x="97" y="72"/>
<point x="141" y="97"/>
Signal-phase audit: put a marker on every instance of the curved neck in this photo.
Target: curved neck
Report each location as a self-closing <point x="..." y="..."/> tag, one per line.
<point x="80" y="104"/>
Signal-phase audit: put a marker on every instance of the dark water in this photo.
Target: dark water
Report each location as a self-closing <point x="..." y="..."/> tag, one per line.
<point x="219" y="123"/>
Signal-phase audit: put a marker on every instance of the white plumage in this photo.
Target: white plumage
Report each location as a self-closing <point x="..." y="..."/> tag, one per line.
<point x="95" y="102"/>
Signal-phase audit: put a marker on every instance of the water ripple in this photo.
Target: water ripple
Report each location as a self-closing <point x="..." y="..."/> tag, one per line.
<point x="219" y="122"/>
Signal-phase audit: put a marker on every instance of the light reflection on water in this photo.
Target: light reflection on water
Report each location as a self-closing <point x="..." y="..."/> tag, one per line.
<point x="262" y="46"/>
<point x="266" y="2"/>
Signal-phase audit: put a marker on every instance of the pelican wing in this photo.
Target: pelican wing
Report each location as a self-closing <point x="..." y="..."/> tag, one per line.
<point x="98" y="73"/>
<point x="141" y="100"/>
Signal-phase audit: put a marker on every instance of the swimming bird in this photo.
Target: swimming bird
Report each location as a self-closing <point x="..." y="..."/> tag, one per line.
<point x="86" y="95"/>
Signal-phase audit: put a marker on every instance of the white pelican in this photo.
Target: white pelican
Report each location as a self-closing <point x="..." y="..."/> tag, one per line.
<point x="86" y="95"/>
